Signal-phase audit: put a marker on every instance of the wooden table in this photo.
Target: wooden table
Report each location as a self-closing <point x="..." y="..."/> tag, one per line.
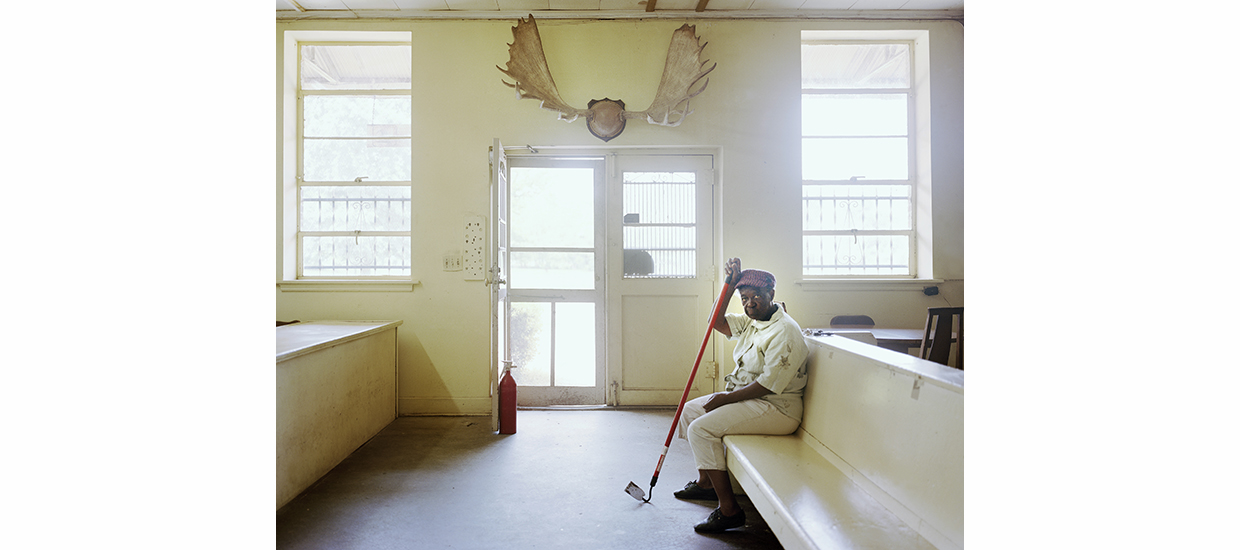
<point x="895" y="339"/>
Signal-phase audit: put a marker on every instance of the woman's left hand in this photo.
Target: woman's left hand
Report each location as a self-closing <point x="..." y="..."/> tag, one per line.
<point x="718" y="400"/>
<point x="752" y="391"/>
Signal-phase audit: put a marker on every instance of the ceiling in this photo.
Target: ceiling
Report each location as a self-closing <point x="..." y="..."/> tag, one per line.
<point x="619" y="9"/>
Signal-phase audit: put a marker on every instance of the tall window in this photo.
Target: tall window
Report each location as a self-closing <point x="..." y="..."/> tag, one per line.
<point x="354" y="179"/>
<point x="858" y="193"/>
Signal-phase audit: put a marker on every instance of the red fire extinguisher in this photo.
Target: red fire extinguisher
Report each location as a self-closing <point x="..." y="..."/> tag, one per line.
<point x="507" y="402"/>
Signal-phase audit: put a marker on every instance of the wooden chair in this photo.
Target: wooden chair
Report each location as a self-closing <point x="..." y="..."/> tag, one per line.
<point x="852" y="321"/>
<point x="936" y="342"/>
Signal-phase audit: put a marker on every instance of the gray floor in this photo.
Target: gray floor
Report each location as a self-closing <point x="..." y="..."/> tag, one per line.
<point x="450" y="482"/>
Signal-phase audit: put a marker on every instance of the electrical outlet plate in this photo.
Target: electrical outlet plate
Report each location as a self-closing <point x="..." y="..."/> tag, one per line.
<point x="475" y="252"/>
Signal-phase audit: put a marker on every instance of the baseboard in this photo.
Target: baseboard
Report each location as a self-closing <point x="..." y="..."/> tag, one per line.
<point x="444" y="406"/>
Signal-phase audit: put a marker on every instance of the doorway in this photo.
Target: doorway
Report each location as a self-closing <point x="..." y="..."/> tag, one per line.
<point x="661" y="213"/>
<point x="608" y="269"/>
<point x="556" y="255"/>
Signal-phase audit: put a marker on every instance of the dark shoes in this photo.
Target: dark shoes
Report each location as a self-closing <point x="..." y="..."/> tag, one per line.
<point x="718" y="523"/>
<point x="693" y="491"/>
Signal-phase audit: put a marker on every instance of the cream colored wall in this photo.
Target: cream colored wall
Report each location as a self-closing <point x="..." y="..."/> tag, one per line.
<point x="750" y="110"/>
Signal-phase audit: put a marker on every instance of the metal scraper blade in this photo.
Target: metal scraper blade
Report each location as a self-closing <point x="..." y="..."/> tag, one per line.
<point x="636" y="492"/>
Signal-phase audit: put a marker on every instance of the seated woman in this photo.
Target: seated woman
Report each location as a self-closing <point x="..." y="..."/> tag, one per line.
<point x="762" y="394"/>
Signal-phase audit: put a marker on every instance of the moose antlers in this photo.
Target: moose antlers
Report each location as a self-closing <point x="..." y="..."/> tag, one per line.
<point x="605" y="118"/>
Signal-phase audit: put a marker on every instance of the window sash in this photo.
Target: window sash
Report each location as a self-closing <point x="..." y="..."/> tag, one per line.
<point x="384" y="265"/>
<point x="874" y="252"/>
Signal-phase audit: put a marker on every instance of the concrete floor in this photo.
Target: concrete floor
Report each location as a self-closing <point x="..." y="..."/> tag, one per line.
<point x="450" y="482"/>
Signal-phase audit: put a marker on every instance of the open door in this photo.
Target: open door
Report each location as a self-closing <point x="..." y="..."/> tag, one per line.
<point x="498" y="267"/>
<point x="556" y="261"/>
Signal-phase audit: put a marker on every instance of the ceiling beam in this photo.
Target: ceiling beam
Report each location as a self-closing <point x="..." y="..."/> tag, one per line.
<point x="466" y="15"/>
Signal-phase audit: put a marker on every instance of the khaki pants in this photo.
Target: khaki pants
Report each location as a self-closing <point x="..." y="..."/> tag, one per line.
<point x="705" y="430"/>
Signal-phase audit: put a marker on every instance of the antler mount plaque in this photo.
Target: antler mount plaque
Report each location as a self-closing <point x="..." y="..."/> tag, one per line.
<point x="605" y="118"/>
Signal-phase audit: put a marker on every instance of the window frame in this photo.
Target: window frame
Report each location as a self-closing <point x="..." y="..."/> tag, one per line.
<point x="290" y="166"/>
<point x="913" y="176"/>
<point x="357" y="182"/>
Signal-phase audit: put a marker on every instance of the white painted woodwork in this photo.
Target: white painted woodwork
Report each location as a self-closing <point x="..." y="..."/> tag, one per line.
<point x="878" y="461"/>
<point x="657" y="324"/>
<point x="335" y="389"/>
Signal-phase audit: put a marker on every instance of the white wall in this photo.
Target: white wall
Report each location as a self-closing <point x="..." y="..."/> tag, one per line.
<point x="750" y="110"/>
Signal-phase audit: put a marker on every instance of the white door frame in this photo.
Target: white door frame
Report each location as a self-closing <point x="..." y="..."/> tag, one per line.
<point x="656" y="325"/>
<point x="558" y="394"/>
<point x="613" y="265"/>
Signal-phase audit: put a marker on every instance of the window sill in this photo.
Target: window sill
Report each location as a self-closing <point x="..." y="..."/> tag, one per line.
<point x="867" y="284"/>
<point x="347" y="285"/>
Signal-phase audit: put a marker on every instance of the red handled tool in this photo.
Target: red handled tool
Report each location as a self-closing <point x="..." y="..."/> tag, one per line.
<point x="633" y="490"/>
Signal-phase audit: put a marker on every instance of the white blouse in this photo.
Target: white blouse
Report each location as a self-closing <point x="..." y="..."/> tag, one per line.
<point x="772" y="353"/>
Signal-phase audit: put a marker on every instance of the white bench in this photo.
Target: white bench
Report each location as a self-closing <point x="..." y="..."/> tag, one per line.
<point x="878" y="461"/>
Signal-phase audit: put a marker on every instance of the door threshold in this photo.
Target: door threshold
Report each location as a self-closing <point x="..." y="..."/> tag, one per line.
<point x="596" y="408"/>
<point x="562" y="407"/>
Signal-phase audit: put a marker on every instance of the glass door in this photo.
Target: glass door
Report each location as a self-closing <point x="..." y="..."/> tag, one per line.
<point x="555" y="279"/>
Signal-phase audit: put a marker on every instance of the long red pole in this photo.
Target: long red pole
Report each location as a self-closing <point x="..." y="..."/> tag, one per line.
<point x="727" y="289"/>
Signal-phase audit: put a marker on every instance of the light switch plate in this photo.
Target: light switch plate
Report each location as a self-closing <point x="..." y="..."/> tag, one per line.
<point x="452" y="261"/>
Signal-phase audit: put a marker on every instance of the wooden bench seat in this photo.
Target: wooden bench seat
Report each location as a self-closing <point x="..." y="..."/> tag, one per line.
<point x="877" y="462"/>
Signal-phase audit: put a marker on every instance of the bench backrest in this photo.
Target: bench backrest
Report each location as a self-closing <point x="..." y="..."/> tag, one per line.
<point x="895" y="424"/>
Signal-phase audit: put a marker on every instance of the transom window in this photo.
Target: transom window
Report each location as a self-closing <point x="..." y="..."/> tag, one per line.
<point x="858" y="193"/>
<point x="355" y="162"/>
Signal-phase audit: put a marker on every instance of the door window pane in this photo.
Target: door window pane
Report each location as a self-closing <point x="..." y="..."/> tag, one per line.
<point x="575" y="359"/>
<point x="552" y="207"/>
<point x="551" y="270"/>
<point x="660" y="224"/>
<point x="531" y="343"/>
